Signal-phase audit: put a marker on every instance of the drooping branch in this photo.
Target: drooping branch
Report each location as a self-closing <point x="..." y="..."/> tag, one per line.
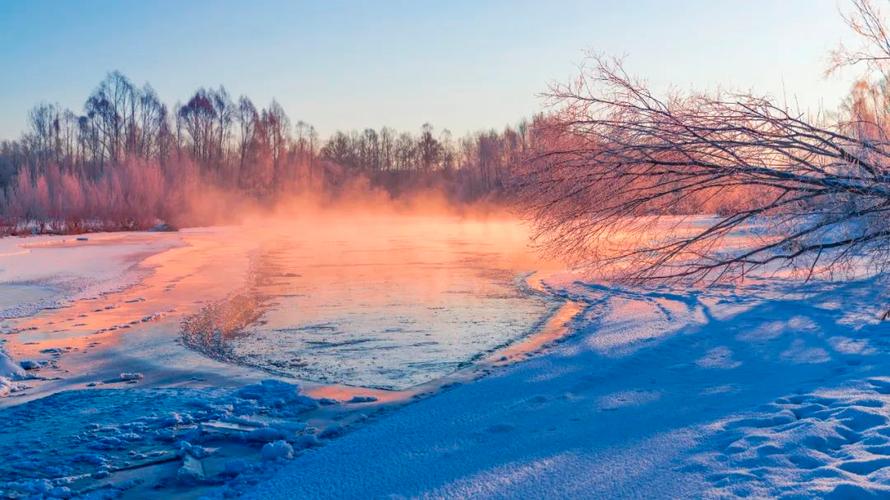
<point x="616" y="161"/>
<point x="867" y="22"/>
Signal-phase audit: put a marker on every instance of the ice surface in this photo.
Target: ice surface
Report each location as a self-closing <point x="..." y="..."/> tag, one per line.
<point x="405" y="302"/>
<point x="89" y="439"/>
<point x="772" y="389"/>
<point x="396" y="307"/>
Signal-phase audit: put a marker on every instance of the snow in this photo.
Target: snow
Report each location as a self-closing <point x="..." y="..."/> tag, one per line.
<point x="772" y="389"/>
<point x="130" y="377"/>
<point x="277" y="394"/>
<point x="825" y="442"/>
<point x="277" y="450"/>
<point x="7" y="387"/>
<point x="9" y="368"/>
<point x="48" y="271"/>
<point x="10" y="373"/>
<point x="90" y="440"/>
<point x="777" y="389"/>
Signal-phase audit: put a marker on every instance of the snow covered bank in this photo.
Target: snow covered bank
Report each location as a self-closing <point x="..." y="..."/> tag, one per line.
<point x="770" y="390"/>
<point x="47" y="271"/>
<point x="105" y="398"/>
<point x="105" y="442"/>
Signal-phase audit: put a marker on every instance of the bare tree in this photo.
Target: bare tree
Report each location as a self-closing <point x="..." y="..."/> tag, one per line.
<point x="111" y="110"/>
<point x="429" y="149"/>
<point x="149" y="126"/>
<point x="207" y="117"/>
<point x="276" y="126"/>
<point x="43" y="138"/>
<point x="247" y="117"/>
<point x="866" y="21"/>
<point x="617" y="161"/>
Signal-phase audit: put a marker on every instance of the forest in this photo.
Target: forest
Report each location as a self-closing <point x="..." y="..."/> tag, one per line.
<point x="129" y="161"/>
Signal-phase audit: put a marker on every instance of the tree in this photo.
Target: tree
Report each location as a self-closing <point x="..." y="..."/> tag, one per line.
<point x="207" y="118"/>
<point x="43" y="139"/>
<point x="429" y="149"/>
<point x="127" y="152"/>
<point x="276" y="129"/>
<point x="110" y="110"/>
<point x="617" y="158"/>
<point x="247" y="117"/>
<point x="149" y="132"/>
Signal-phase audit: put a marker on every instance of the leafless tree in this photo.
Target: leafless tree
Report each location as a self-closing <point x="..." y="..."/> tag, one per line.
<point x="865" y="20"/>
<point x="429" y="149"/>
<point x="149" y="127"/>
<point x="43" y="138"/>
<point x="619" y="163"/>
<point x="247" y="117"/>
<point x="207" y="117"/>
<point x="111" y="110"/>
<point x="276" y="129"/>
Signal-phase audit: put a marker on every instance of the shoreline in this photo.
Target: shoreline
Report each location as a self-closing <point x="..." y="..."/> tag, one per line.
<point x="103" y="359"/>
<point x="554" y="328"/>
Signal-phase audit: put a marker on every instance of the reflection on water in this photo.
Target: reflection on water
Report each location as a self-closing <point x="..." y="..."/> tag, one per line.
<point x="389" y="302"/>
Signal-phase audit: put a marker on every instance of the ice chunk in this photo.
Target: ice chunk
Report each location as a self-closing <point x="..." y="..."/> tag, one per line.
<point x="130" y="377"/>
<point x="276" y="394"/>
<point x="362" y="399"/>
<point x="8" y="368"/>
<point x="191" y="471"/>
<point x="186" y="448"/>
<point x="29" y="364"/>
<point x="6" y="387"/>
<point x="277" y="450"/>
<point x="266" y="434"/>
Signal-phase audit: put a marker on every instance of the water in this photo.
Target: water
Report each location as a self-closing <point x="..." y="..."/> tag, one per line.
<point x="386" y="303"/>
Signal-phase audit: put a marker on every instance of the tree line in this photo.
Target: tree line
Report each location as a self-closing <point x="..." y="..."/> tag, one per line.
<point x="128" y="160"/>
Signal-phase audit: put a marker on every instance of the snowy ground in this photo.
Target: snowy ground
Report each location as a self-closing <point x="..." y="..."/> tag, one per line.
<point x="773" y="389"/>
<point x="768" y="391"/>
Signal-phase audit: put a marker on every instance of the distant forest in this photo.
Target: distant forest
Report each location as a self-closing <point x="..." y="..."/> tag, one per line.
<point x="128" y="161"/>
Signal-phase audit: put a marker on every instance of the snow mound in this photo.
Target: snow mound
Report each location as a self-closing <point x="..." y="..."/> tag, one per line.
<point x="277" y="450"/>
<point x="98" y="437"/>
<point x="9" y="368"/>
<point x="279" y="395"/>
<point x="818" y="444"/>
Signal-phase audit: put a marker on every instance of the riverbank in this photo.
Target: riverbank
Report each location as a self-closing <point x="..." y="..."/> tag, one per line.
<point x="106" y="400"/>
<point x="774" y="389"/>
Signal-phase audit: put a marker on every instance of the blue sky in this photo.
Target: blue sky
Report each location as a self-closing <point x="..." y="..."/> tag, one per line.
<point x="462" y="65"/>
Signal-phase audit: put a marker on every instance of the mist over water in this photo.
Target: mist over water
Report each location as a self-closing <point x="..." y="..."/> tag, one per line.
<point x="388" y="299"/>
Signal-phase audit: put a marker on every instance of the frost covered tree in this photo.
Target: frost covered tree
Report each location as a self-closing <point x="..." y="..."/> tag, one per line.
<point x="620" y="167"/>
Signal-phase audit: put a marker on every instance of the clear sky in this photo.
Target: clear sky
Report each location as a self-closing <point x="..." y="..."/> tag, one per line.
<point x="458" y="64"/>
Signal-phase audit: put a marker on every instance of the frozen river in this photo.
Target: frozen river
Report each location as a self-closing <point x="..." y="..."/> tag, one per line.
<point x="386" y="301"/>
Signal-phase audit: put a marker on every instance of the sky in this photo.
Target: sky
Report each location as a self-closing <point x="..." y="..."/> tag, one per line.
<point x="460" y="64"/>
